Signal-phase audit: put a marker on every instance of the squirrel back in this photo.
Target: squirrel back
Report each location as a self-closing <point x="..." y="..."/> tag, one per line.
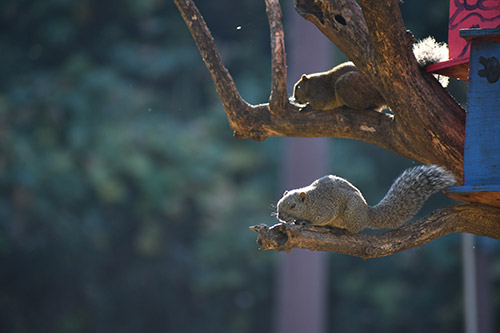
<point x="346" y="85"/>
<point x="335" y="202"/>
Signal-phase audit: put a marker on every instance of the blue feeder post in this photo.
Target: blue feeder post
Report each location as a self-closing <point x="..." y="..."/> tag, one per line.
<point x="482" y="130"/>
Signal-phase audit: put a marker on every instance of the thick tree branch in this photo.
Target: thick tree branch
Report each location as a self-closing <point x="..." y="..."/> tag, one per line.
<point x="476" y="219"/>
<point x="383" y="35"/>
<point x="343" y="22"/>
<point x="411" y="92"/>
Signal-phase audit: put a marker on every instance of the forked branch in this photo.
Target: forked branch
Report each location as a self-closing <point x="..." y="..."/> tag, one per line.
<point x="280" y="117"/>
<point x="417" y="101"/>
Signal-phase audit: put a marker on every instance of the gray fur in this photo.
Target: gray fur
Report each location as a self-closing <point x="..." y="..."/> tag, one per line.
<point x="428" y="51"/>
<point x="407" y="195"/>
<point x="333" y="201"/>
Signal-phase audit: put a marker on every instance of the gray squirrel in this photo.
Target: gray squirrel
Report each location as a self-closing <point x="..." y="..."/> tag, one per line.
<point x="333" y="201"/>
<point x="345" y="85"/>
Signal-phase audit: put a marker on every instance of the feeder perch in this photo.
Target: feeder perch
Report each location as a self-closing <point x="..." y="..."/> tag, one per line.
<point x="464" y="15"/>
<point x="482" y="130"/>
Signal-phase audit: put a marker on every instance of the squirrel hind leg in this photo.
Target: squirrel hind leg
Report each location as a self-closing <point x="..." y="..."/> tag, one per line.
<point x="356" y="215"/>
<point x="355" y="91"/>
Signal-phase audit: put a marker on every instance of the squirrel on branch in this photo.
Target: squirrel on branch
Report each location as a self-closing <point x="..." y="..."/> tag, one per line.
<point x="333" y="201"/>
<point x="345" y="85"/>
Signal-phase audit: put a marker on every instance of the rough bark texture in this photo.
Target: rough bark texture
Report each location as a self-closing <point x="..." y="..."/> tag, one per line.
<point x="428" y="125"/>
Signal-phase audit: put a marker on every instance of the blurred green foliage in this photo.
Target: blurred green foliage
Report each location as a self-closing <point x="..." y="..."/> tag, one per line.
<point x="125" y="202"/>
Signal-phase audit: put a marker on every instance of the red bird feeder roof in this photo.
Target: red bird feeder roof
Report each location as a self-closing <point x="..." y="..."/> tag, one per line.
<point x="465" y="15"/>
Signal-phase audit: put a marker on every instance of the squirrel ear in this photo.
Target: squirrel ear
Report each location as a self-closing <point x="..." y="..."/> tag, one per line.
<point x="304" y="77"/>
<point x="302" y="196"/>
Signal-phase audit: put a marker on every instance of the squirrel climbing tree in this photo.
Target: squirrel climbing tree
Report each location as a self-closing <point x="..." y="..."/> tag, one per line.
<point x="427" y="124"/>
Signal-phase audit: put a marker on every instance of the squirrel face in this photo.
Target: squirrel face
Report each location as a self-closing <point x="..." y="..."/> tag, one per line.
<point x="295" y="205"/>
<point x="300" y="90"/>
<point x="291" y="206"/>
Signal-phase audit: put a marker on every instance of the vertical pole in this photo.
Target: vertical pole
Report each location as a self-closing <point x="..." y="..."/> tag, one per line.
<point x="470" y="284"/>
<point x="485" y="290"/>
<point x="301" y="282"/>
<point x="301" y="273"/>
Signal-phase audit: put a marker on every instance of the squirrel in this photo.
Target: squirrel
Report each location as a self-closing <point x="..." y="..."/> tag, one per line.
<point x="345" y="85"/>
<point x="333" y="201"/>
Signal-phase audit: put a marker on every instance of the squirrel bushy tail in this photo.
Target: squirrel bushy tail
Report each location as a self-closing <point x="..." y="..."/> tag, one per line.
<point x="427" y="51"/>
<point x="407" y="195"/>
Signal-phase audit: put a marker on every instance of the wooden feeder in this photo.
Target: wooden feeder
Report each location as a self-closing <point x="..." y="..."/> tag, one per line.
<point x="482" y="131"/>
<point x="464" y="15"/>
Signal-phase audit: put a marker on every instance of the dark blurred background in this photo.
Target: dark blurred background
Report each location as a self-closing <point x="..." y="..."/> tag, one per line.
<point x="125" y="201"/>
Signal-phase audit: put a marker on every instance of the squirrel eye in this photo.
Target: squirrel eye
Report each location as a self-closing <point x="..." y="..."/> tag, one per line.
<point x="293" y="206"/>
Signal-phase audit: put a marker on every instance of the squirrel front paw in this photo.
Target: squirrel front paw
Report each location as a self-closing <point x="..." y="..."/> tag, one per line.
<point x="306" y="108"/>
<point x="302" y="222"/>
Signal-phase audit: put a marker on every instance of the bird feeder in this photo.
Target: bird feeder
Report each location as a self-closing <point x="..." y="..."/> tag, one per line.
<point x="482" y="131"/>
<point x="465" y="15"/>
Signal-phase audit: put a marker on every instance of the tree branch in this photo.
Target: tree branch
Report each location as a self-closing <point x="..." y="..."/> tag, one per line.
<point x="343" y="22"/>
<point x="476" y="219"/>
<point x="383" y="35"/>
<point x="204" y="41"/>
<point x="278" y="100"/>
